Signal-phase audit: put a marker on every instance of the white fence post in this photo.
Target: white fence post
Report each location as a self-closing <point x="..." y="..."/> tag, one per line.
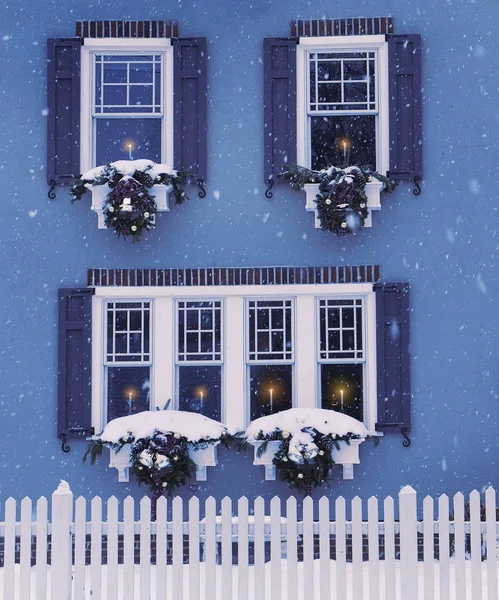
<point x="62" y="517"/>
<point x="408" y="543"/>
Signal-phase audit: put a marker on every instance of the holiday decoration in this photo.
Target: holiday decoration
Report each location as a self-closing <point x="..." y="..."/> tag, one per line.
<point x="129" y="207"/>
<point x="341" y="201"/>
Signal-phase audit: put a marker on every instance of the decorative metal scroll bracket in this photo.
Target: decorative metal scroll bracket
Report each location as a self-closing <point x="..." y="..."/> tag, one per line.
<point x="64" y="436"/>
<point x="270" y="185"/>
<point x="51" y="193"/>
<point x="407" y="442"/>
<point x="417" y="188"/>
<point x="202" y="192"/>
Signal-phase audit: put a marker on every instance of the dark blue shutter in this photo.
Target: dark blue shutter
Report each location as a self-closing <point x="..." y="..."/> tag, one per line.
<point x="404" y="62"/>
<point x="393" y="361"/>
<point x="279" y="94"/>
<point x="191" y="103"/>
<point x="63" y="102"/>
<point x="75" y="363"/>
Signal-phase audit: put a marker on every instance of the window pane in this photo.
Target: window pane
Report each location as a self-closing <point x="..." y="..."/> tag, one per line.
<point x="341" y="329"/>
<point x="128" y="332"/>
<point x="341" y="389"/>
<point x="343" y="141"/>
<point x="200" y="390"/>
<point x="122" y="139"/>
<point x="270" y="389"/>
<point x="272" y="338"/>
<point x="201" y="339"/>
<point x="128" y="391"/>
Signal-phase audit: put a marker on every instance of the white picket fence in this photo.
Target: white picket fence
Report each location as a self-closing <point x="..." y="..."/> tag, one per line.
<point x="294" y="551"/>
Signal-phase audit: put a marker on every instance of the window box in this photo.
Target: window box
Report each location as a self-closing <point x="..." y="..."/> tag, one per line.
<point x="373" y="192"/>
<point x="203" y="457"/>
<point x="347" y="456"/>
<point x="99" y="193"/>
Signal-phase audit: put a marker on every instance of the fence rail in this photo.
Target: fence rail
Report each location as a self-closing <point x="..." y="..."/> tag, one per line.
<point x="292" y="550"/>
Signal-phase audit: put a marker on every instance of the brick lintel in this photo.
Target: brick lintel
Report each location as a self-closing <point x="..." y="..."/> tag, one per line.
<point x="334" y="27"/>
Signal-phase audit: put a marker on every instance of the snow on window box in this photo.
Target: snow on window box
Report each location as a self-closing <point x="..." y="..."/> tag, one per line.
<point x="292" y="440"/>
<point x="156" y="439"/>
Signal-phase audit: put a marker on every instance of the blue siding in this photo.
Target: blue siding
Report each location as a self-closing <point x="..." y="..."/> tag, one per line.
<point x="443" y="242"/>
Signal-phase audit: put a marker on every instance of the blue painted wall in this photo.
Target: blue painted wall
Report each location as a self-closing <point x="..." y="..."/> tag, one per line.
<point x="443" y="242"/>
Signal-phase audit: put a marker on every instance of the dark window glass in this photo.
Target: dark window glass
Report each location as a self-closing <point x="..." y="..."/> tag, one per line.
<point x="128" y="391"/>
<point x="200" y="390"/>
<point x="270" y="389"/>
<point x="343" y="141"/>
<point x="341" y="389"/>
<point x="125" y="138"/>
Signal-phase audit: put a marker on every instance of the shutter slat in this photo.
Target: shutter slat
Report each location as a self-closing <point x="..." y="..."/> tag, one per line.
<point x="279" y="104"/>
<point x="75" y="362"/>
<point x="63" y="102"/>
<point x="191" y="104"/>
<point x="393" y="361"/>
<point x="404" y="61"/>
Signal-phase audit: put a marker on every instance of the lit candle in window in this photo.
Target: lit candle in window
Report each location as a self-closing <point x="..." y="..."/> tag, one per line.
<point x="130" y="151"/>
<point x="201" y="400"/>
<point x="341" y="400"/>
<point x="344" y="149"/>
<point x="130" y="403"/>
<point x="271" y="397"/>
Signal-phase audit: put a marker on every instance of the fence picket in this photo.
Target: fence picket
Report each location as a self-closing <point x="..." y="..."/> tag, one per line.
<point x="443" y="546"/>
<point x="96" y="548"/>
<point x="25" y="554"/>
<point x="341" y="554"/>
<point x="357" y="566"/>
<point x="79" y="543"/>
<point x="194" y="549"/>
<point x="242" y="549"/>
<point x="145" y="549"/>
<point x="373" y="541"/>
<point x="226" y="549"/>
<point x="292" y="548"/>
<point x="459" y="558"/>
<point x="308" y="548"/>
<point x="259" y="533"/>
<point x="9" y="550"/>
<point x="41" y="548"/>
<point x="161" y="547"/>
<point x="112" y="548"/>
<point x="275" y="548"/>
<point x="389" y="517"/>
<point x="490" y="518"/>
<point x="325" y="549"/>
<point x="210" y="549"/>
<point x="60" y="564"/>
<point x="476" y="545"/>
<point x="177" y="542"/>
<point x="428" y="549"/>
<point x="128" y="548"/>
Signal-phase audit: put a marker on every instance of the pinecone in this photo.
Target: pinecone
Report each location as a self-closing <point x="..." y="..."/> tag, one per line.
<point x="144" y="178"/>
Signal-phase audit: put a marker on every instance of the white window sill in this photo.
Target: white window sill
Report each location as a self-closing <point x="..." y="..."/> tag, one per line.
<point x="99" y="193"/>
<point x="347" y="456"/>
<point x="205" y="457"/>
<point x="373" y="192"/>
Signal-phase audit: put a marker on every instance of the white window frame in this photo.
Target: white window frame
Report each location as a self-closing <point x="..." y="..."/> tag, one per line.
<point x="93" y="46"/>
<point x="306" y="383"/>
<point x="364" y="43"/>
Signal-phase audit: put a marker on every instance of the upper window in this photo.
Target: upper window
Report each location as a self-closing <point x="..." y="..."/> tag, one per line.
<point x="127" y="106"/>
<point x="342" y="116"/>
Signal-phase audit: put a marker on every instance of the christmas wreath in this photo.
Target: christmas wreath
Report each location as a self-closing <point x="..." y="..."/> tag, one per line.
<point x="307" y="438"/>
<point x="159" y="456"/>
<point x="341" y="200"/>
<point x="129" y="207"/>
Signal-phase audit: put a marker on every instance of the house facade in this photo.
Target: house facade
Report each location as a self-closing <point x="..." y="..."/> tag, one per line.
<point x="238" y="302"/>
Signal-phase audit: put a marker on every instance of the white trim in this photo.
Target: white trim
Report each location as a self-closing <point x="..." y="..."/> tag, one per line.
<point x="235" y="398"/>
<point x="119" y="46"/>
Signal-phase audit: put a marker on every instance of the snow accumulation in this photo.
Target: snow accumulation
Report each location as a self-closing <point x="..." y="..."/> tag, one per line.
<point x="295" y="419"/>
<point x="190" y="425"/>
<point x="128" y="167"/>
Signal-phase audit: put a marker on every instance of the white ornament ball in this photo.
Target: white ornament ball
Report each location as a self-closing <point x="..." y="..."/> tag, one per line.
<point x="343" y="225"/>
<point x="177" y="436"/>
<point x="321" y="452"/>
<point x="164" y="484"/>
<point x="329" y="201"/>
<point x="146" y="215"/>
<point x="300" y="475"/>
<point x="111" y="209"/>
<point x="362" y="205"/>
<point x="175" y="458"/>
<point x="133" y="227"/>
<point x="285" y="435"/>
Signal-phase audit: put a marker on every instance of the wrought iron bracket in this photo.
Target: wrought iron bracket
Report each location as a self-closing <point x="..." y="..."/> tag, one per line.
<point x="64" y="436"/>
<point x="202" y="192"/>
<point x="64" y="445"/>
<point x="51" y="193"/>
<point x="270" y="185"/>
<point x="407" y="442"/>
<point x="417" y="188"/>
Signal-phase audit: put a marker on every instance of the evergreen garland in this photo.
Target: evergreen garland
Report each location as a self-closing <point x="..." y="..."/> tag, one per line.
<point x="341" y="200"/>
<point x="129" y="207"/>
<point x="310" y="466"/>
